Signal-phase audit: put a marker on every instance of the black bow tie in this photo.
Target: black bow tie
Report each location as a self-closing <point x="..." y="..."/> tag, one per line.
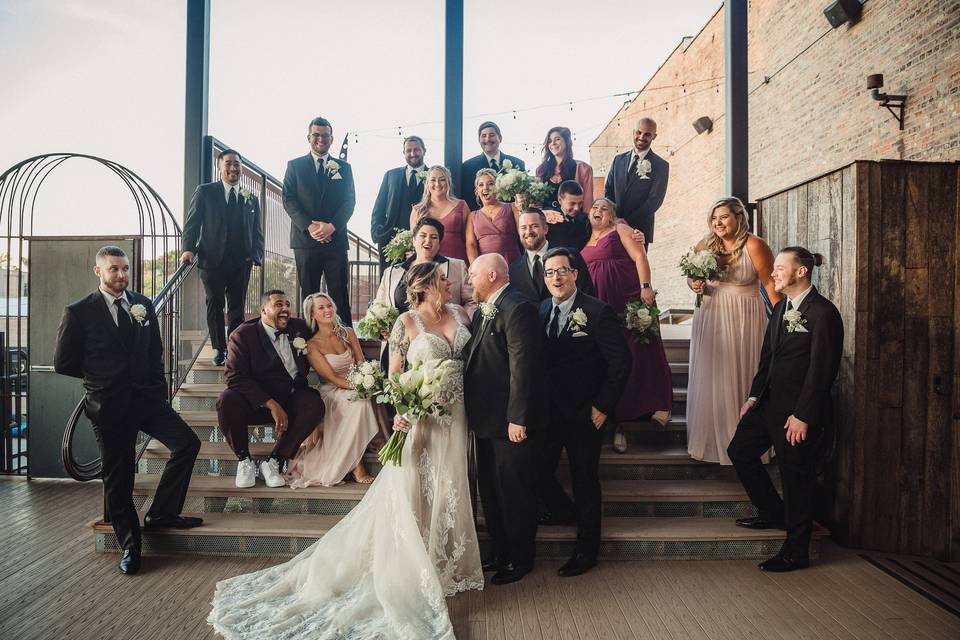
<point x="278" y="333"/>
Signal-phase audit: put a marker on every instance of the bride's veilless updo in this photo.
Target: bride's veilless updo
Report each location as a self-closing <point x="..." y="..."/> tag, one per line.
<point x="421" y="279"/>
<point x="804" y="257"/>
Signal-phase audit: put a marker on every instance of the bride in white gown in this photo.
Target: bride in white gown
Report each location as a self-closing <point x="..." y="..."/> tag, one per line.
<point x="384" y="570"/>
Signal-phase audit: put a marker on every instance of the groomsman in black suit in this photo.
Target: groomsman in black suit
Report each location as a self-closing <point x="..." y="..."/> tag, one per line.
<point x="111" y="339"/>
<point x="400" y="190"/>
<point x="319" y="197"/>
<point x="224" y="232"/>
<point x="637" y="180"/>
<point x="491" y="158"/>
<point x="526" y="272"/>
<point x="586" y="364"/>
<point x="790" y="407"/>
<point x="500" y="380"/>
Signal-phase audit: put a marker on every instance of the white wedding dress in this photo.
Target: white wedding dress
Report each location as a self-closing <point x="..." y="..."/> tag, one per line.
<point x="383" y="571"/>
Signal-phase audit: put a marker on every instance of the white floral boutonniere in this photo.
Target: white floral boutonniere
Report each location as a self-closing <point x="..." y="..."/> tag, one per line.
<point x="300" y="345"/>
<point x="422" y="174"/>
<point x="578" y="320"/>
<point x="794" y="321"/>
<point x="332" y="168"/>
<point x="246" y="194"/>
<point x="139" y="313"/>
<point x="644" y="168"/>
<point x="488" y="310"/>
<point x="507" y="165"/>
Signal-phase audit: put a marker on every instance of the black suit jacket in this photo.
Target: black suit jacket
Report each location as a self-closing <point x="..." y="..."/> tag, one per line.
<point x="392" y="207"/>
<point x="797" y="369"/>
<point x="637" y="199"/>
<point x="116" y="375"/>
<point x="500" y="369"/>
<point x="521" y="279"/>
<point x="254" y="367"/>
<point x="310" y="196"/>
<point x="469" y="173"/>
<point x="205" y="229"/>
<point x="588" y="370"/>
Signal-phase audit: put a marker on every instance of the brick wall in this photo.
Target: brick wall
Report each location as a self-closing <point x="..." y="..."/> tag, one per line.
<point x="812" y="116"/>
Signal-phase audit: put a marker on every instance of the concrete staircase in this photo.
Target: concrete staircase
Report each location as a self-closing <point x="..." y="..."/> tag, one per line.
<point x="657" y="501"/>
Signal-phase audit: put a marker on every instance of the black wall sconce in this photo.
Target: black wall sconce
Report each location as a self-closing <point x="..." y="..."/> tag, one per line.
<point x="891" y="102"/>
<point x="703" y="123"/>
<point x="842" y="11"/>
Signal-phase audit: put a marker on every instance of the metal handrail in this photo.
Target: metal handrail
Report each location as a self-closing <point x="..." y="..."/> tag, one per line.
<point x="84" y="471"/>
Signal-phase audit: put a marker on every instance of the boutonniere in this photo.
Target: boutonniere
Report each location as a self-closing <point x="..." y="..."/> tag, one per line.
<point x="644" y="168"/>
<point x="507" y="165"/>
<point x="139" y="313"/>
<point x="332" y="168"/>
<point x="578" y="320"/>
<point x="794" y="321"/>
<point x="246" y="194"/>
<point x="488" y="310"/>
<point x="300" y="345"/>
<point x="422" y="174"/>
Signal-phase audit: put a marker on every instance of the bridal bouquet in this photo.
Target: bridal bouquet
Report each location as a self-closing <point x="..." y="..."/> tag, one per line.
<point x="515" y="182"/>
<point x="700" y="265"/>
<point x="378" y="320"/>
<point x="398" y="247"/>
<point x="367" y="380"/>
<point x="427" y="389"/>
<point x="643" y="321"/>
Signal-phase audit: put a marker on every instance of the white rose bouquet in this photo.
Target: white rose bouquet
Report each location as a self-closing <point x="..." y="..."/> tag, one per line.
<point x="427" y="389"/>
<point x="642" y="320"/>
<point x="378" y="320"/>
<point x="700" y="265"/>
<point x="514" y="182"/>
<point x="367" y="380"/>
<point x="399" y="246"/>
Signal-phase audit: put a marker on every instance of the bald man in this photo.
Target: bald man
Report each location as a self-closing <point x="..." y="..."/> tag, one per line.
<point x="637" y="180"/>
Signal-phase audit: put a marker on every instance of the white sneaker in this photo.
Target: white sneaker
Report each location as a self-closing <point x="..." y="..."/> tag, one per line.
<point x="270" y="470"/>
<point x="246" y="474"/>
<point x="619" y="441"/>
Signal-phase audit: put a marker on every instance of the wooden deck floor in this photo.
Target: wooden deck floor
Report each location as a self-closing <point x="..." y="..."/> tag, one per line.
<point x="53" y="585"/>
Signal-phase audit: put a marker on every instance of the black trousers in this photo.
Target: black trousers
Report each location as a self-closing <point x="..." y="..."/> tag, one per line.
<point x="117" y="451"/>
<point x="506" y="480"/>
<point x="304" y="409"/>
<point x="757" y="431"/>
<point x="582" y="442"/>
<point x="225" y="285"/>
<point x="315" y="264"/>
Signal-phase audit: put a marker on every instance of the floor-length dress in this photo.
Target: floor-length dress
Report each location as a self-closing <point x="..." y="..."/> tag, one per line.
<point x="614" y="274"/>
<point x="348" y="427"/>
<point x="498" y="235"/>
<point x="725" y="346"/>
<point x="383" y="571"/>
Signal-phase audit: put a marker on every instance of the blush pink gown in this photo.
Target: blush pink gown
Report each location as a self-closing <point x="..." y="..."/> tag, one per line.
<point x="498" y="235"/>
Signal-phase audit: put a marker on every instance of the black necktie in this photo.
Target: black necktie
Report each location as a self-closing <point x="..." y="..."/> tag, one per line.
<point x="412" y="183"/>
<point x="494" y="164"/>
<point x="554" y="330"/>
<point x="632" y="169"/>
<point x="123" y="322"/>
<point x="232" y="203"/>
<point x="789" y="304"/>
<point x="537" y="271"/>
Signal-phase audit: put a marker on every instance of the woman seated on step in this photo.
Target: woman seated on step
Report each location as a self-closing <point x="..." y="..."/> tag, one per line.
<point x="337" y="445"/>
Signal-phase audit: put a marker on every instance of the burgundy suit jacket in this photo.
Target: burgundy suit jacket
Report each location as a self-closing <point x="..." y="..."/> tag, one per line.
<point x="254" y="367"/>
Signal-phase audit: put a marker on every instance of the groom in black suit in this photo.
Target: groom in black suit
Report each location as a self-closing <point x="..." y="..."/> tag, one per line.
<point x="637" y="180"/>
<point x="400" y="190"/>
<point x="319" y="196"/>
<point x="111" y="339"/>
<point x="224" y="231"/>
<point x="586" y="364"/>
<point x="492" y="158"/>
<point x="790" y="407"/>
<point x="501" y="395"/>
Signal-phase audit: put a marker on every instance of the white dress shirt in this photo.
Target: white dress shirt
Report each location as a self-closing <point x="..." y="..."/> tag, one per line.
<point x="566" y="308"/>
<point x="530" y="255"/>
<point x="226" y="190"/>
<point x="796" y="302"/>
<point x="125" y="303"/>
<point x="282" y="344"/>
<point x="498" y="158"/>
<point x="411" y="170"/>
<point x="319" y="161"/>
<point x="495" y="296"/>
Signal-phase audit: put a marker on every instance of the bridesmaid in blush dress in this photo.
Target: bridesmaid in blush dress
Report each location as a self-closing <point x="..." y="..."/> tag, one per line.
<point x="439" y="203"/>
<point x="337" y="446"/>
<point x="493" y="227"/>
<point x="621" y="273"/>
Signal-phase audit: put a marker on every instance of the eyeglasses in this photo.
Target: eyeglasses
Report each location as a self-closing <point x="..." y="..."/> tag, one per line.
<point x="562" y="271"/>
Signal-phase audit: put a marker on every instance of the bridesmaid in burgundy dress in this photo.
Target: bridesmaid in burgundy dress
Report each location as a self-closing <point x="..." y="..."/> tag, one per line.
<point x="621" y="273"/>
<point x="493" y="227"/>
<point x="439" y="203"/>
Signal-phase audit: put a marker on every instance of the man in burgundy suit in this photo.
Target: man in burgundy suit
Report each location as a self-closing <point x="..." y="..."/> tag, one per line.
<point x="266" y="378"/>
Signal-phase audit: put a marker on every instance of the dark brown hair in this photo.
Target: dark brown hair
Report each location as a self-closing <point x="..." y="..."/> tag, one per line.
<point x="804" y="257"/>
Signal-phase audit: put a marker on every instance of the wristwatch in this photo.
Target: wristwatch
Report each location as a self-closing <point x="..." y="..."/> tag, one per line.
<point x="645" y="285"/>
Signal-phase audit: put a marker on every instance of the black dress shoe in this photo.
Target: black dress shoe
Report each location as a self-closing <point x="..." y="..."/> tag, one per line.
<point x="509" y="573"/>
<point x="490" y="565"/>
<point x="220" y="358"/>
<point x="760" y="522"/>
<point x="781" y="564"/>
<point x="170" y="522"/>
<point x="577" y="565"/>
<point x="550" y="520"/>
<point x="130" y="562"/>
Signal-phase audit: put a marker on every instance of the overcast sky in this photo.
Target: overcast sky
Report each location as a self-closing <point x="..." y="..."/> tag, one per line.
<point x="105" y="77"/>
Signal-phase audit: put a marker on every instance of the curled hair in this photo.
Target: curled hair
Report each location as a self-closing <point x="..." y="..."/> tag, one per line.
<point x="713" y="241"/>
<point x="427" y="221"/>
<point x="805" y="257"/>
<point x="568" y="166"/>
<point x="421" y="279"/>
<point x="338" y="329"/>
<point x="424" y="205"/>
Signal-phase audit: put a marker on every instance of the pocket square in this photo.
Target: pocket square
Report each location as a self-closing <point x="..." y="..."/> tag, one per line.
<point x="580" y="334"/>
<point x="336" y="176"/>
<point x="801" y="329"/>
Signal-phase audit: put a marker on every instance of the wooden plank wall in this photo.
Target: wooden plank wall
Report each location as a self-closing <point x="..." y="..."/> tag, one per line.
<point x="888" y="232"/>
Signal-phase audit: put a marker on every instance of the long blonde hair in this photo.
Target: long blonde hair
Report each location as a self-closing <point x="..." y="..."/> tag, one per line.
<point x="338" y="329"/>
<point x="424" y="205"/>
<point x="421" y="279"/>
<point x="713" y="241"/>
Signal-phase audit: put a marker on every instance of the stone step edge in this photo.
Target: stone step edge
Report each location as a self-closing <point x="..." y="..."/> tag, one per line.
<point x="213" y="389"/>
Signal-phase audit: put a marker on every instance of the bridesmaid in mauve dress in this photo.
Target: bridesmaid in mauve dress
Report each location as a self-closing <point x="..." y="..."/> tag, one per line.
<point x="727" y="331"/>
<point x="618" y="267"/>
<point x="493" y="227"/>
<point x="337" y="445"/>
<point x="439" y="203"/>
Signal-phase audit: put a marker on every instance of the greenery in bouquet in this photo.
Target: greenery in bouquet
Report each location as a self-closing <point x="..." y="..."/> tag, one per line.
<point x="700" y="265"/>
<point x="367" y="380"/>
<point x="642" y="320"/>
<point x="515" y="182"/>
<point x="398" y="247"/>
<point x="378" y="319"/>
